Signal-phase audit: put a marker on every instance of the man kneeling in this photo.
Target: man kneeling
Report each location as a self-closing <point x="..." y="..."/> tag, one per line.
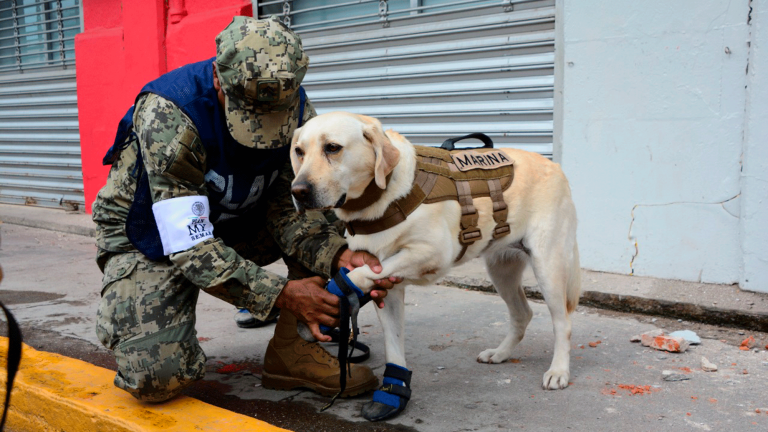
<point x="198" y="197"/>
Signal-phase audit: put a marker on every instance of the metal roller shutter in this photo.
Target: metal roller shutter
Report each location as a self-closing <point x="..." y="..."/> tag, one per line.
<point x="40" y="160"/>
<point x="433" y="69"/>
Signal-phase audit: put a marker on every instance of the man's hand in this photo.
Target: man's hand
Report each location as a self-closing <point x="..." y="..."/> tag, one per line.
<point x="352" y="260"/>
<point x="308" y="300"/>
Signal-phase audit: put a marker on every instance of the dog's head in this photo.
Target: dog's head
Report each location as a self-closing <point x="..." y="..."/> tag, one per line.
<point x="337" y="155"/>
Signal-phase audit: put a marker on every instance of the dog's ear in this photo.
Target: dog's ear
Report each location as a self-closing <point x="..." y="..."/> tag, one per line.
<point x="387" y="155"/>
<point x="295" y="164"/>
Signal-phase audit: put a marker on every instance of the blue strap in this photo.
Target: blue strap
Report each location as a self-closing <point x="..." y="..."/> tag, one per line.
<point x="340" y="284"/>
<point x="302" y="101"/>
<point x="399" y="372"/>
<point x="388" y="380"/>
<point x="124" y="131"/>
<point x="391" y="375"/>
<point x="140" y="224"/>
<point x="386" y="398"/>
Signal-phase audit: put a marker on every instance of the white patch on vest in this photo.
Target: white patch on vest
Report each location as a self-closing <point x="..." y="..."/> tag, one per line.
<point x="470" y="159"/>
<point x="183" y="222"/>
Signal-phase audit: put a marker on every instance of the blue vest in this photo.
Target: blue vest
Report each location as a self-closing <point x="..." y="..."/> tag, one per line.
<point x="237" y="177"/>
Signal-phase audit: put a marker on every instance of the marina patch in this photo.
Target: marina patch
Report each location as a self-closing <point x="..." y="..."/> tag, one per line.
<point x="471" y="159"/>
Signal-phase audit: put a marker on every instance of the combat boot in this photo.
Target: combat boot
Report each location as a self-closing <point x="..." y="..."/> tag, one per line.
<point x="291" y="362"/>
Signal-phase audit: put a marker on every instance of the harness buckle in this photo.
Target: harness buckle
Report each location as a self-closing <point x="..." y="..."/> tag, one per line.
<point x="501" y="230"/>
<point x="470" y="235"/>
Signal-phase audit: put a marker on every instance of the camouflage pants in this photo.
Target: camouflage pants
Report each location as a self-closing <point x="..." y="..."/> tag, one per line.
<point x="147" y="318"/>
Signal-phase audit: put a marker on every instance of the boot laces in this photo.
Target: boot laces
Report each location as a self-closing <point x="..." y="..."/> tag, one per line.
<point x="319" y="349"/>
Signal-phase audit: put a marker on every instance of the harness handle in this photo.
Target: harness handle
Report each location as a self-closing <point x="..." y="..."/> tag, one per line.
<point x="448" y="144"/>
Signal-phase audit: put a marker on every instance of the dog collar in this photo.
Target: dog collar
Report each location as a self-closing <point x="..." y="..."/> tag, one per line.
<point x="396" y="213"/>
<point x="371" y="194"/>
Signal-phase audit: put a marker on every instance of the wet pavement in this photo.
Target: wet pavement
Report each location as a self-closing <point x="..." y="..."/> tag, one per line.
<point x="52" y="286"/>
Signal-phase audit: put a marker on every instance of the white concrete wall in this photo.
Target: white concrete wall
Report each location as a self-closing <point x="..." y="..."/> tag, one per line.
<point x="754" y="175"/>
<point x="651" y="132"/>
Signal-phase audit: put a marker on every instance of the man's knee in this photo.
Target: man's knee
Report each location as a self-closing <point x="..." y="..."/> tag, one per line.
<point x="156" y="368"/>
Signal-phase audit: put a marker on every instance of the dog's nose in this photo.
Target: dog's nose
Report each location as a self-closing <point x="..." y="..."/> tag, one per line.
<point x="301" y="191"/>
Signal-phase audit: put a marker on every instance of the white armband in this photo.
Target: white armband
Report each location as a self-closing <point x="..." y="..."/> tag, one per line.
<point x="183" y="222"/>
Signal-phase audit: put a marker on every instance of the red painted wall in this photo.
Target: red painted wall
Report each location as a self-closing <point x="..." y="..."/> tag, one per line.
<point x="124" y="45"/>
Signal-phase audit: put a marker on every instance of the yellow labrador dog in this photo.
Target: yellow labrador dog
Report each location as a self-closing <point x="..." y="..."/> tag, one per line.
<point x="335" y="156"/>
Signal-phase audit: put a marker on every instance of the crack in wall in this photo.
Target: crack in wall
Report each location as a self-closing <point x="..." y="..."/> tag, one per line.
<point x="633" y="239"/>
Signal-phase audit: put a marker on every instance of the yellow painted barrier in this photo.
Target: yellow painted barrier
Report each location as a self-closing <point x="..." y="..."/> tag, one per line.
<point x="56" y="393"/>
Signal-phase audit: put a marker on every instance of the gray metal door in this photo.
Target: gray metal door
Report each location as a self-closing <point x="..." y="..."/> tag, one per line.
<point x="40" y="160"/>
<point x="433" y="69"/>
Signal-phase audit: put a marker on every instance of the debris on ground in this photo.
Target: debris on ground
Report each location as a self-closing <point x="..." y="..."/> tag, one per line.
<point x="631" y="388"/>
<point x="595" y="344"/>
<point x="231" y="368"/>
<point x="688" y="335"/>
<point x="708" y="366"/>
<point x="665" y="343"/>
<point x="747" y="343"/>
<point x="649" y="335"/>
<point x="668" y="375"/>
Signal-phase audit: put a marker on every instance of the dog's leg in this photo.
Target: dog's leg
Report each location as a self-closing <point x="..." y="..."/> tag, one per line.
<point x="407" y="264"/>
<point x="552" y="273"/>
<point x="392" y="398"/>
<point x="393" y="322"/>
<point x="506" y="272"/>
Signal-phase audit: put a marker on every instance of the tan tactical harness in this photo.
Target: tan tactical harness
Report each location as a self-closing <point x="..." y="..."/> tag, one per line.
<point x="442" y="175"/>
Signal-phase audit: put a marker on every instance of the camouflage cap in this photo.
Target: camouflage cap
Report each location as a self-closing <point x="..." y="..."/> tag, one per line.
<point x="260" y="64"/>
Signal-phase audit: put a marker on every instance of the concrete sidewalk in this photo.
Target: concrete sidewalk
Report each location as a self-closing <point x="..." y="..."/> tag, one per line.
<point x="725" y="305"/>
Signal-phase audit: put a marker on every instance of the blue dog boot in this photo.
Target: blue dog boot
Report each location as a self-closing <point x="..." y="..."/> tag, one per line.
<point x="341" y="286"/>
<point x="344" y="289"/>
<point x="391" y="399"/>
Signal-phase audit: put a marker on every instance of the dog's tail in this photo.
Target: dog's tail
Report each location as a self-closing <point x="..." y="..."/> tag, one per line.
<point x="573" y="281"/>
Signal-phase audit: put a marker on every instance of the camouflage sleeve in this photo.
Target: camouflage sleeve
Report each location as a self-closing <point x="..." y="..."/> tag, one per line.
<point x="173" y="154"/>
<point x="221" y="272"/>
<point x="309" y="238"/>
<point x="175" y="160"/>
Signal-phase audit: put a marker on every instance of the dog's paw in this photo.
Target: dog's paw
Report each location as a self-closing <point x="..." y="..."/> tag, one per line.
<point x="493" y="355"/>
<point x="556" y="380"/>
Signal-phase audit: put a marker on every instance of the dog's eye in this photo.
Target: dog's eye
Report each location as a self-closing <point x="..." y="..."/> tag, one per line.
<point x="332" y="148"/>
<point x="299" y="152"/>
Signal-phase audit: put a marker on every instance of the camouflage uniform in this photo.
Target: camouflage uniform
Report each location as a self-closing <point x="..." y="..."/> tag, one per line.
<point x="147" y="312"/>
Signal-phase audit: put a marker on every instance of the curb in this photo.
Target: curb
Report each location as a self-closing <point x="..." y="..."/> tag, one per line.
<point x="56" y="393"/>
<point x="48" y="225"/>
<point x="641" y="305"/>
